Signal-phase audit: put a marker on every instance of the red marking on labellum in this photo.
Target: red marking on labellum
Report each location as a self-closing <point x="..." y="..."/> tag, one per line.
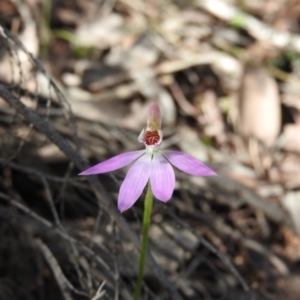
<point x="151" y="138"/>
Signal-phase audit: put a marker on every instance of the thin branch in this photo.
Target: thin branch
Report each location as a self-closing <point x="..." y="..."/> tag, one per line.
<point x="62" y="233"/>
<point x="211" y="248"/>
<point x="100" y="293"/>
<point x="116" y="250"/>
<point x="62" y="281"/>
<point x="40" y="175"/>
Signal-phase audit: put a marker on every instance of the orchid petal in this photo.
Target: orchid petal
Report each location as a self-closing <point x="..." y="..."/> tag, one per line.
<point x="188" y="164"/>
<point x="154" y="116"/>
<point x="162" y="178"/>
<point x="134" y="182"/>
<point x="114" y="163"/>
<point x="141" y="136"/>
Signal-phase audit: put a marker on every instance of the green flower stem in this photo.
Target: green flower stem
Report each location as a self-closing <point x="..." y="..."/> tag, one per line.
<point x="146" y="225"/>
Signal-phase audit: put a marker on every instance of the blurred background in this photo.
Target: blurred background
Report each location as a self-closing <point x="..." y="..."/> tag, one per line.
<point x="76" y="78"/>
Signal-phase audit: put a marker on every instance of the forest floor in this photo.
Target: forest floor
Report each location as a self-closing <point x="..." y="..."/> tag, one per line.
<point x="76" y="79"/>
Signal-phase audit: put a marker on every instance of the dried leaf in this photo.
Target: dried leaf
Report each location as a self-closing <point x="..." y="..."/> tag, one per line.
<point x="259" y="106"/>
<point x="291" y="137"/>
<point x="291" y="202"/>
<point x="102" y="32"/>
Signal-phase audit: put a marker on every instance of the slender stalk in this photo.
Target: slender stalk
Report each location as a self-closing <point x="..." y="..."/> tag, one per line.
<point x="146" y="225"/>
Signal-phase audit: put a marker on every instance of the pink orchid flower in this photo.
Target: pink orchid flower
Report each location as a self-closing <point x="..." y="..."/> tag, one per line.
<point x="150" y="163"/>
